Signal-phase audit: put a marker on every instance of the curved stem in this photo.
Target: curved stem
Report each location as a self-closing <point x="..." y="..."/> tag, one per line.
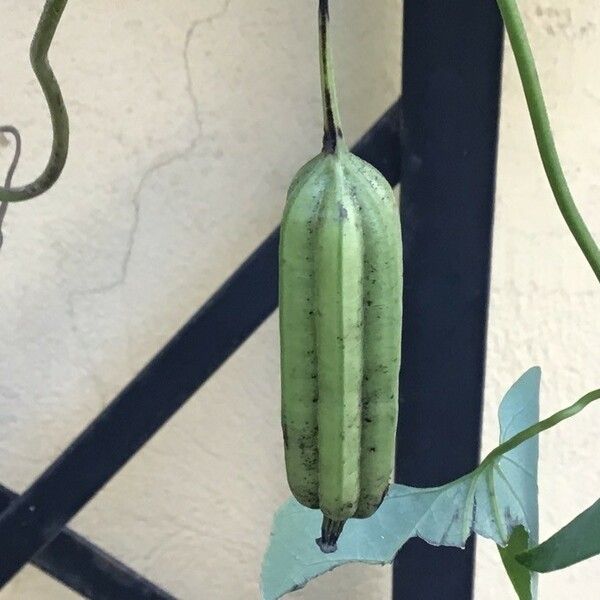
<point x="11" y="171"/>
<point x="332" y="136"/>
<point x="537" y="428"/>
<point x="40" y="45"/>
<point x="15" y="161"/>
<point x="543" y="132"/>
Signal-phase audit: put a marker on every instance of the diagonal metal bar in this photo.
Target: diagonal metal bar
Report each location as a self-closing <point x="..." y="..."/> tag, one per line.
<point x="163" y="386"/>
<point x="451" y="81"/>
<point x="87" y="569"/>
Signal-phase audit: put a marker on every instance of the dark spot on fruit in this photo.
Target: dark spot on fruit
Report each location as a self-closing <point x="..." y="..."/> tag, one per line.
<point x="368" y="420"/>
<point x="285" y="436"/>
<point x="372" y="449"/>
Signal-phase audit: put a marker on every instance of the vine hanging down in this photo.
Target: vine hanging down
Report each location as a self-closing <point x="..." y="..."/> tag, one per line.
<point x="42" y="39"/>
<point x="11" y="171"/>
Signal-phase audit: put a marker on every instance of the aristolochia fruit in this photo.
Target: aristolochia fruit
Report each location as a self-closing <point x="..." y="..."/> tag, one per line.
<point x="340" y="321"/>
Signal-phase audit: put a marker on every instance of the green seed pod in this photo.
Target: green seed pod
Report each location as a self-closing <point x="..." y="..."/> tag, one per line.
<point x="340" y="323"/>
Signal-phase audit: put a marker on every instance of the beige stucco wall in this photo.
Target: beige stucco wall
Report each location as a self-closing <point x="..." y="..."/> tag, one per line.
<point x="188" y="121"/>
<point x="545" y="300"/>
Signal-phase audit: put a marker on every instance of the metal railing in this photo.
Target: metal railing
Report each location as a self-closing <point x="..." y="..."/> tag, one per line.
<point x="443" y="143"/>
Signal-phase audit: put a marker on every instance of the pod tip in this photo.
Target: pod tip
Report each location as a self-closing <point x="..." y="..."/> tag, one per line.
<point x="330" y="533"/>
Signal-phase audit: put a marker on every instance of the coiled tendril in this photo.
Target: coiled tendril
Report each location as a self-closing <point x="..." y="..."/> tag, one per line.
<point x="11" y="170"/>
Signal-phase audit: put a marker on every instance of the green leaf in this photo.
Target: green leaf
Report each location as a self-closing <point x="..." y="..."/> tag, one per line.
<point x="519" y="575"/>
<point x="519" y="467"/>
<point x="577" y="541"/>
<point x="499" y="496"/>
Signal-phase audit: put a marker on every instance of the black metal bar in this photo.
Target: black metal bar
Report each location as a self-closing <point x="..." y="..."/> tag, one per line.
<point x="87" y="569"/>
<point x="451" y="87"/>
<point x="161" y="388"/>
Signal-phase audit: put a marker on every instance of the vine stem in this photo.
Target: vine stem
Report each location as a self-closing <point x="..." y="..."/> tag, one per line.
<point x="537" y="428"/>
<point x="11" y="171"/>
<point x="333" y="138"/>
<point x="543" y="132"/>
<point x="44" y="33"/>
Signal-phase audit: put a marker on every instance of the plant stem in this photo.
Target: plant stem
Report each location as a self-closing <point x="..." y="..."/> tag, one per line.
<point x="537" y="428"/>
<point x="53" y="10"/>
<point x="332" y="135"/>
<point x="11" y="171"/>
<point x="543" y="132"/>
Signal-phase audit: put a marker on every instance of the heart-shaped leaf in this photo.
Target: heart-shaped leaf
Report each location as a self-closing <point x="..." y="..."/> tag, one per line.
<point x="494" y="500"/>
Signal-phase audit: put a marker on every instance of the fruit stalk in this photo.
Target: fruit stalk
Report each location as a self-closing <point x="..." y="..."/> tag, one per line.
<point x="332" y="135"/>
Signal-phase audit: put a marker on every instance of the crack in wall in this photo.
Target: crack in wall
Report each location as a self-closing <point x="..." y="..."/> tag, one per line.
<point x="155" y="167"/>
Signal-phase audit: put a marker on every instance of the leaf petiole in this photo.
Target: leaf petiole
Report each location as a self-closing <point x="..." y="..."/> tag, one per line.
<point x="537" y="428"/>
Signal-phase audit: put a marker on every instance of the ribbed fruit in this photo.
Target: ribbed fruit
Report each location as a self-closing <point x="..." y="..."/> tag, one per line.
<point x="340" y="322"/>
